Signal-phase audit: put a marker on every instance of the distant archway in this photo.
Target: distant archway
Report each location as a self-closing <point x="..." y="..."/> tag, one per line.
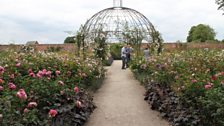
<point x="119" y="24"/>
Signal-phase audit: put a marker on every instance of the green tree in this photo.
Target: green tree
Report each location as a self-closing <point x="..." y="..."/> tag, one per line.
<point x="78" y="40"/>
<point x="201" y="33"/>
<point x="70" y="39"/>
<point x="221" y="4"/>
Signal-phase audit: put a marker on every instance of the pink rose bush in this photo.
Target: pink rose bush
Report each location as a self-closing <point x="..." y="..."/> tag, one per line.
<point x="41" y="89"/>
<point x="195" y="76"/>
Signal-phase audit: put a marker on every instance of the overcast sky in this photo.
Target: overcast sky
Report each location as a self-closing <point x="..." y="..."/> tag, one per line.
<point x="46" y="20"/>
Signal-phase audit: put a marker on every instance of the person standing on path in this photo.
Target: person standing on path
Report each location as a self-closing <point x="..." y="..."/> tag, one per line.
<point x="124" y="56"/>
<point x="128" y="50"/>
<point x="146" y="54"/>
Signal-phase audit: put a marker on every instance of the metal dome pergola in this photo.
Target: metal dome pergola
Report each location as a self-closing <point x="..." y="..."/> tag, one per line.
<point x="116" y="22"/>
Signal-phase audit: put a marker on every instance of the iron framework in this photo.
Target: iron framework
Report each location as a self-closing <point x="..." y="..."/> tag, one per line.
<point x="116" y="22"/>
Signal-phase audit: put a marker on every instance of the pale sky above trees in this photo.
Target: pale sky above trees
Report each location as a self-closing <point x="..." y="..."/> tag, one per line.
<point x="46" y="20"/>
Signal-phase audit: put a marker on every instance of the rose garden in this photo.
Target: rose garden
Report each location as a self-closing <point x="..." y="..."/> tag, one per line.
<point x="57" y="87"/>
<point x="46" y="88"/>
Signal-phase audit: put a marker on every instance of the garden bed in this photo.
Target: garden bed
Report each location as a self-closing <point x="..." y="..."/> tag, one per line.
<point x="187" y="87"/>
<point x="47" y="89"/>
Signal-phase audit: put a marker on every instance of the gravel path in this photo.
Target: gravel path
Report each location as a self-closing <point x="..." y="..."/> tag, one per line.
<point x="120" y="102"/>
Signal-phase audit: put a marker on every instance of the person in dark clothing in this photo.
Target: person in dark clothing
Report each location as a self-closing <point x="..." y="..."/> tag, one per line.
<point x="128" y="50"/>
<point x="124" y="57"/>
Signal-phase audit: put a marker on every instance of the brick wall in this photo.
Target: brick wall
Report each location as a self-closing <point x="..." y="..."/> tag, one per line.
<point x="66" y="47"/>
<point x="40" y="47"/>
<point x="71" y="47"/>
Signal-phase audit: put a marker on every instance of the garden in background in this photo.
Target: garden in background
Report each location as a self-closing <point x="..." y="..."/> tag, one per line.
<point x="185" y="86"/>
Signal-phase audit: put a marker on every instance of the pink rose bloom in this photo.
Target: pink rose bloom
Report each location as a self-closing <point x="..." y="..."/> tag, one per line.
<point x="76" y="89"/>
<point x="1" y="81"/>
<point x="44" y="71"/>
<point x="61" y="83"/>
<point x="213" y="77"/>
<point x="25" y="110"/>
<point x="32" y="105"/>
<point x="30" y="71"/>
<point x="21" y="94"/>
<point x="57" y="72"/>
<point x="52" y="113"/>
<point x="12" y="76"/>
<point x="48" y="73"/>
<point x="12" y="86"/>
<point x="208" y="86"/>
<point x="193" y="81"/>
<point x="18" y="64"/>
<point x="39" y="74"/>
<point x="1" y="88"/>
<point x="78" y="104"/>
<point x="2" y="69"/>
<point x="32" y="75"/>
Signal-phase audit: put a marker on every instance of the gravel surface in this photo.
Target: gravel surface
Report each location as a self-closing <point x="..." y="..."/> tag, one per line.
<point x="120" y="102"/>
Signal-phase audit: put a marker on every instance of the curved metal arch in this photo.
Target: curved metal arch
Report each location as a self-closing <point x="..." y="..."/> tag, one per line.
<point x="112" y="21"/>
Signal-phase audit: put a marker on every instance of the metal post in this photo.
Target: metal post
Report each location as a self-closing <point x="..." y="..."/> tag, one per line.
<point x="118" y="3"/>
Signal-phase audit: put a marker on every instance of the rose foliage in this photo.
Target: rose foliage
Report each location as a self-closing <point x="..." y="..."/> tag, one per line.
<point x="187" y="87"/>
<point x="46" y="89"/>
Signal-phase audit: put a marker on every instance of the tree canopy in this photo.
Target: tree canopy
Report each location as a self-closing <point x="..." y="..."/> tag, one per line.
<point x="201" y="33"/>
<point x="70" y="39"/>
